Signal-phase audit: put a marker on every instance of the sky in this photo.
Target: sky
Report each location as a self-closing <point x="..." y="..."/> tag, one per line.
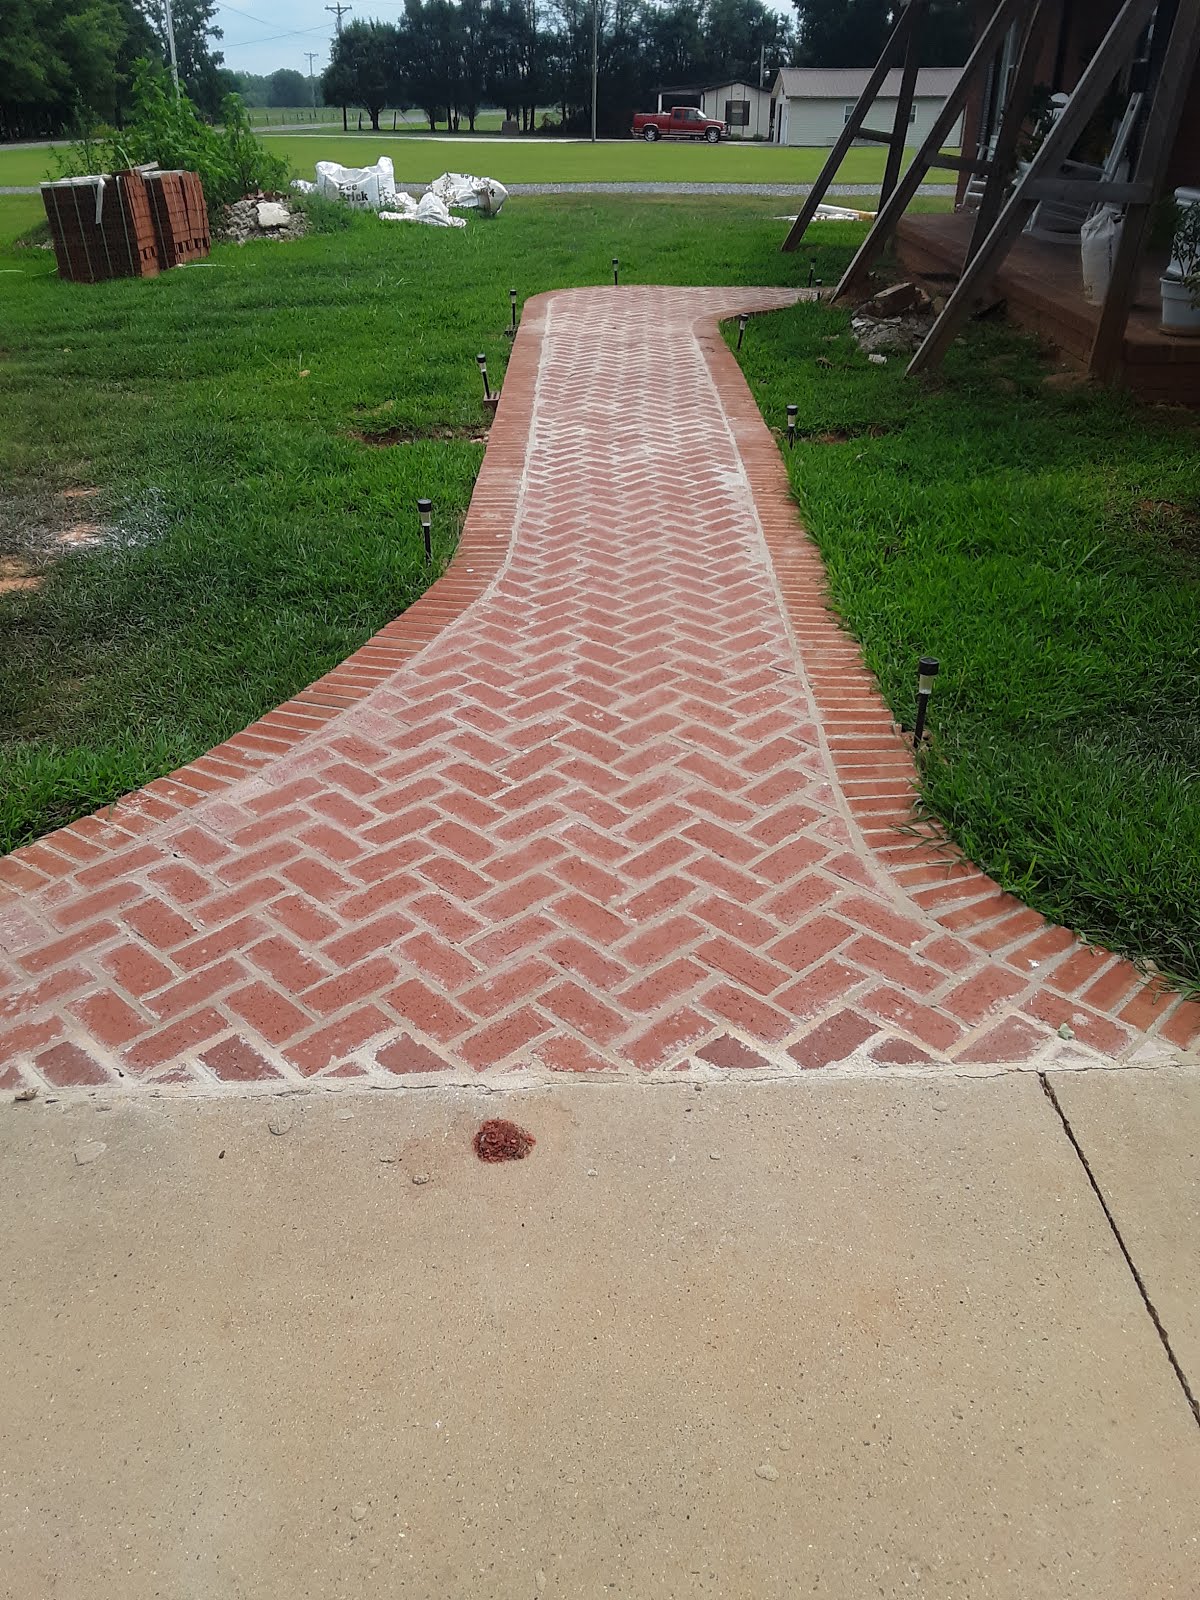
<point x="278" y="33"/>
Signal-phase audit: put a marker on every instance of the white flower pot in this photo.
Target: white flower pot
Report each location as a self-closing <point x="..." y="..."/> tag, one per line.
<point x="1180" y="311"/>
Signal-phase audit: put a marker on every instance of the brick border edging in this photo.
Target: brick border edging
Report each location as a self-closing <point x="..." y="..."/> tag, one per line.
<point x="482" y="550"/>
<point x="879" y="779"/>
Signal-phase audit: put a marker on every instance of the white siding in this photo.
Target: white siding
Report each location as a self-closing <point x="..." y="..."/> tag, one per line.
<point x="760" y="107"/>
<point x="819" y="122"/>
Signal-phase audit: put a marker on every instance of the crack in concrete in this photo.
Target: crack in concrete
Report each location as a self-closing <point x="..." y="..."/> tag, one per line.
<point x="1160" y="1329"/>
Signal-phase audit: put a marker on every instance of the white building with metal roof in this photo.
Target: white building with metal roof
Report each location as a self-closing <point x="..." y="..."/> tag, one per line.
<point x="811" y="105"/>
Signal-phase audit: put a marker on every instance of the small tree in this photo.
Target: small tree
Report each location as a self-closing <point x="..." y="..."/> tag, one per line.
<point x="166" y="129"/>
<point x="288" y="88"/>
<point x="363" y="68"/>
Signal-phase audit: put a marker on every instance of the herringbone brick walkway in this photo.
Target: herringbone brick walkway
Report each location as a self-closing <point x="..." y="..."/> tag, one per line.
<point x="616" y="794"/>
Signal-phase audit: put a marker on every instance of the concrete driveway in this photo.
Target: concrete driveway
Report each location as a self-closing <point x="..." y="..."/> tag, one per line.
<point x="838" y="1338"/>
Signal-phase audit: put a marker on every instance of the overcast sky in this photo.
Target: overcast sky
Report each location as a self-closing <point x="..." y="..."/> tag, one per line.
<point x="277" y="33"/>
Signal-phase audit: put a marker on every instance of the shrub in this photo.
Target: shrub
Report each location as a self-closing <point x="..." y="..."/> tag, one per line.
<point x="166" y="128"/>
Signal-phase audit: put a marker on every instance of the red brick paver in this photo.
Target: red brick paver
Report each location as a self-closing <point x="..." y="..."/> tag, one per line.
<point x="616" y="794"/>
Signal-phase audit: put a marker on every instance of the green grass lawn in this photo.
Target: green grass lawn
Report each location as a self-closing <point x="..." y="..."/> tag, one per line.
<point x="535" y="160"/>
<point x="1045" y="546"/>
<point x="25" y="166"/>
<point x="257" y="541"/>
<point x="18" y="213"/>
<point x="539" y="160"/>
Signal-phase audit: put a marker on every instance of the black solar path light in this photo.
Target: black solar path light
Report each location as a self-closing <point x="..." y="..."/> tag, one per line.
<point x="927" y="671"/>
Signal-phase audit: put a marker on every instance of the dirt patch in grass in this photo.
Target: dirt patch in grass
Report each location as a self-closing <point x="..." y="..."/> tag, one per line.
<point x="36" y="529"/>
<point x="16" y="574"/>
<point x="403" y="435"/>
<point x="877" y="430"/>
<point x="1174" y="525"/>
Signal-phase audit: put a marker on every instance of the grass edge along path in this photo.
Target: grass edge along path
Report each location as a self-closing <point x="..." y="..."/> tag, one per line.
<point x="1044" y="543"/>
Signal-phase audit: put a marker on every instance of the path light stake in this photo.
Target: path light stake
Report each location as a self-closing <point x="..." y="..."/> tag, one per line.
<point x="743" y="319"/>
<point x="812" y="272"/>
<point x="425" y="507"/>
<point x="512" y="300"/>
<point x="792" y="414"/>
<point x="487" y="389"/>
<point x="616" y="270"/>
<point x="927" y="671"/>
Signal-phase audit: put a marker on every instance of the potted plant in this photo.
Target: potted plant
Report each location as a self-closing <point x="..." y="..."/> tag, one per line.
<point x="1181" y="285"/>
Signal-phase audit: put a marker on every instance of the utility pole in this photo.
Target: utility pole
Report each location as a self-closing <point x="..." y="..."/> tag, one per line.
<point x="595" y="60"/>
<point x="170" y="21"/>
<point x="312" y="82"/>
<point x="339" y="10"/>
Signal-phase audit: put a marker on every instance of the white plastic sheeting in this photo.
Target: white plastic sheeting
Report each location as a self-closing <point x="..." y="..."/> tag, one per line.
<point x="464" y="193"/>
<point x="374" y="189"/>
<point x="427" y="209"/>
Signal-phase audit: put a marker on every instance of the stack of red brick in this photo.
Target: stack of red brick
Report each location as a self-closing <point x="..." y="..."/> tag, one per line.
<point x="179" y="215"/>
<point x="129" y="225"/>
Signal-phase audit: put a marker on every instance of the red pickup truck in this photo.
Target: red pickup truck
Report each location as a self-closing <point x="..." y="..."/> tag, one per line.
<point x="681" y="122"/>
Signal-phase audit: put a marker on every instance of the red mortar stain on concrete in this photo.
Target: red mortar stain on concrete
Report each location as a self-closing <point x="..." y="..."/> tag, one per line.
<point x="616" y="794"/>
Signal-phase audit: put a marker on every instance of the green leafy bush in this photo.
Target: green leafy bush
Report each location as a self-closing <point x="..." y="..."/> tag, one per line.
<point x="166" y="128"/>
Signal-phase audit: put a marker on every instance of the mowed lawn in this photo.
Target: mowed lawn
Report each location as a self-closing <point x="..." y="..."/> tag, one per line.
<point x="533" y="160"/>
<point x="18" y="214"/>
<point x="538" y="160"/>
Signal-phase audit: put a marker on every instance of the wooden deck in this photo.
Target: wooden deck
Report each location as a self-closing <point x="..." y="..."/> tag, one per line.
<point x="1043" y="287"/>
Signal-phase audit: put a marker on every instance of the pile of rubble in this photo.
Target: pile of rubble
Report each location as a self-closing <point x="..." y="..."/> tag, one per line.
<point x="895" y="320"/>
<point x="261" y="216"/>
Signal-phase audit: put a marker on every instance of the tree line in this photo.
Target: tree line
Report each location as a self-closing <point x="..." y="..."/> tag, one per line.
<point x="449" y="58"/>
<point x="68" y="64"/>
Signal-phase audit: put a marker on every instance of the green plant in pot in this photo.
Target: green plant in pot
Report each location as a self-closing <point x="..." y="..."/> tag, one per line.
<point x="1181" y="285"/>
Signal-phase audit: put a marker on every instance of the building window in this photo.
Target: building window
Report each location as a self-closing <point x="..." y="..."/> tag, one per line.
<point x="737" y="113"/>
<point x="848" y="112"/>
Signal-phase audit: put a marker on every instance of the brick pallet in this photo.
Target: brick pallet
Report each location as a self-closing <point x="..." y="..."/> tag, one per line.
<point x="101" y="227"/>
<point x="130" y="225"/>
<point x="179" y="216"/>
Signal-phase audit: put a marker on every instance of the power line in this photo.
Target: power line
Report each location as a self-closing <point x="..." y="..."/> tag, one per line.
<point x="223" y="5"/>
<point x="292" y="33"/>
